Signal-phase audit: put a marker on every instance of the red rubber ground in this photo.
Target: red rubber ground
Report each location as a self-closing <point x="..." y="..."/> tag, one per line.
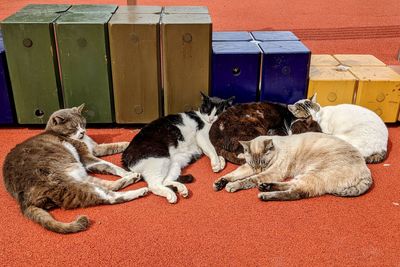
<point x="219" y="228"/>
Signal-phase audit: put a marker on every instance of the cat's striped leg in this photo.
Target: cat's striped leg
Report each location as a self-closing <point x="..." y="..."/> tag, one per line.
<point x="118" y="184"/>
<point x="111" y="197"/>
<point x="170" y="180"/>
<point x="97" y="165"/>
<point x="290" y="190"/>
<point x="240" y="173"/>
<point x="109" y="149"/>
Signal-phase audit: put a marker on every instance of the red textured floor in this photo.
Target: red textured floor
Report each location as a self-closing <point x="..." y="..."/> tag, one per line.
<point x="221" y="229"/>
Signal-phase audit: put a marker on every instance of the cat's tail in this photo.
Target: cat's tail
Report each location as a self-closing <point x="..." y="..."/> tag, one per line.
<point x="231" y="157"/>
<point x="45" y="219"/>
<point x="376" y="157"/>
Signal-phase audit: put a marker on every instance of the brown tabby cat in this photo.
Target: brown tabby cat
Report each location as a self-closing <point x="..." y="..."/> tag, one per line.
<point x="50" y="170"/>
<point x="318" y="163"/>
<point x="250" y="120"/>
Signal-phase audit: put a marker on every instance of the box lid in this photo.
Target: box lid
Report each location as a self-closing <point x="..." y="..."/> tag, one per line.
<point x="37" y="18"/>
<point x="139" y="9"/>
<point x="54" y="8"/>
<point x="265" y="36"/>
<point x="284" y="47"/>
<point x="185" y="10"/>
<point x="84" y="18"/>
<point x="358" y="60"/>
<point x="231" y="36"/>
<point x="132" y="18"/>
<point x="186" y="19"/>
<point x="325" y="73"/>
<point x="375" y="74"/>
<point x="235" y="48"/>
<point x="93" y="8"/>
<point x="323" y="60"/>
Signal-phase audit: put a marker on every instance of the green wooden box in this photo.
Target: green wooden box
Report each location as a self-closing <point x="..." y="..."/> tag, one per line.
<point x="85" y="70"/>
<point x="135" y="60"/>
<point x="32" y="62"/>
<point x="93" y="8"/>
<point x="45" y="8"/>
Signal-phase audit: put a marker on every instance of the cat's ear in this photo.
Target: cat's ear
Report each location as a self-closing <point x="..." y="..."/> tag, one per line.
<point x="291" y="108"/>
<point x="58" y="119"/>
<point x="229" y="101"/>
<point x="80" y="108"/>
<point x="245" y="145"/>
<point x="203" y="96"/>
<point x="314" y="98"/>
<point x="268" y="145"/>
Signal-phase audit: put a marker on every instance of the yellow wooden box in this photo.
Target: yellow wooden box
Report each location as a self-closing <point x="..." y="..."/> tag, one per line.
<point x="323" y="60"/>
<point x="379" y="91"/>
<point x="353" y="60"/>
<point x="333" y="87"/>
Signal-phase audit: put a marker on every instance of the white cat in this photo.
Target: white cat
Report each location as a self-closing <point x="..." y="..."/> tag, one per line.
<point x="357" y="125"/>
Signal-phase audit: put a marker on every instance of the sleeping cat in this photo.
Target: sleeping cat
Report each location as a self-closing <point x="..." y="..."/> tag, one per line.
<point x="163" y="147"/>
<point x="318" y="163"/>
<point x="247" y="121"/>
<point x="355" y="124"/>
<point x="50" y="170"/>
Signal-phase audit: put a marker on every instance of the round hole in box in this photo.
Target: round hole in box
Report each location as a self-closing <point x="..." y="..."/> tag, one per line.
<point x="236" y="71"/>
<point x="187" y="38"/>
<point x="27" y="42"/>
<point x="39" y="113"/>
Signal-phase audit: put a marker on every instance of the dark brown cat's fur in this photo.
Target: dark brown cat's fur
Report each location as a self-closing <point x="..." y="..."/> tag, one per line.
<point x="49" y="170"/>
<point x="247" y="121"/>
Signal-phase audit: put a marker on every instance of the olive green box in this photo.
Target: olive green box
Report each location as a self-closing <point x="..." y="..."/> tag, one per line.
<point x="82" y="42"/>
<point x="135" y="61"/>
<point x="32" y="62"/>
<point x="85" y="8"/>
<point x="186" y="46"/>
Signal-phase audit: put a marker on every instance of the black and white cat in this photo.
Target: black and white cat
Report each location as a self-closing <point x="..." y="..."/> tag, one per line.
<point x="163" y="147"/>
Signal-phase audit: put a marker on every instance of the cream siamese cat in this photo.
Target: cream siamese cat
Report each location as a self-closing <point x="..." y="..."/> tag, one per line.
<point x="317" y="163"/>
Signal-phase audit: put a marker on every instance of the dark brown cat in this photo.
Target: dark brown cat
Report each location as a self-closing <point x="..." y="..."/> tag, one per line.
<point x="50" y="170"/>
<point x="247" y="121"/>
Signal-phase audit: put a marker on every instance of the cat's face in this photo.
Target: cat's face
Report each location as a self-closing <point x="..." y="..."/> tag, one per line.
<point x="305" y="108"/>
<point x="258" y="153"/>
<point x="305" y="125"/>
<point x="68" y="122"/>
<point x="211" y="107"/>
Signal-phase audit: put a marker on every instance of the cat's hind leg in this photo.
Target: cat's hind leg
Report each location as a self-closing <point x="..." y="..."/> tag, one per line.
<point x="117" y="184"/>
<point x="173" y="175"/>
<point x="109" y="149"/>
<point x="291" y="190"/>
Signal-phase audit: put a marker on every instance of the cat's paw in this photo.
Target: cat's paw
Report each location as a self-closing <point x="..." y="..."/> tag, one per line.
<point x="263" y="196"/>
<point x="219" y="184"/>
<point x="231" y="187"/>
<point x="133" y="177"/>
<point x="218" y="164"/>
<point x="172" y="198"/>
<point x="264" y="187"/>
<point x="143" y="191"/>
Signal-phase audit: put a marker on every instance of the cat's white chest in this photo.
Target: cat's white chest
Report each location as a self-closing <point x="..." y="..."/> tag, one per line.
<point x="76" y="171"/>
<point x="89" y="143"/>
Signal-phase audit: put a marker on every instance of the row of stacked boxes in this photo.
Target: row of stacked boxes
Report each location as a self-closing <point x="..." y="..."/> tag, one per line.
<point x="108" y="58"/>
<point x="132" y="64"/>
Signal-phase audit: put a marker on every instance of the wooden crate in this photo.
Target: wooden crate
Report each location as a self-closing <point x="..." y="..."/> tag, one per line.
<point x="85" y="68"/>
<point x="186" y="50"/>
<point x="333" y="87"/>
<point x="135" y="60"/>
<point x="32" y="63"/>
<point x="379" y="91"/>
<point x="324" y="60"/>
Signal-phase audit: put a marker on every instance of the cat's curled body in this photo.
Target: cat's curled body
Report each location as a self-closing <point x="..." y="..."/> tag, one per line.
<point x="163" y="147"/>
<point x="357" y="125"/>
<point x="317" y="163"/>
<point x="244" y="122"/>
<point x="50" y="170"/>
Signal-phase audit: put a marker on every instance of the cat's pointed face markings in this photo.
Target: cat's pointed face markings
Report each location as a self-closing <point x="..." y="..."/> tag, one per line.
<point x="305" y="108"/>
<point x="211" y="107"/>
<point x="258" y="153"/>
<point x="68" y="122"/>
